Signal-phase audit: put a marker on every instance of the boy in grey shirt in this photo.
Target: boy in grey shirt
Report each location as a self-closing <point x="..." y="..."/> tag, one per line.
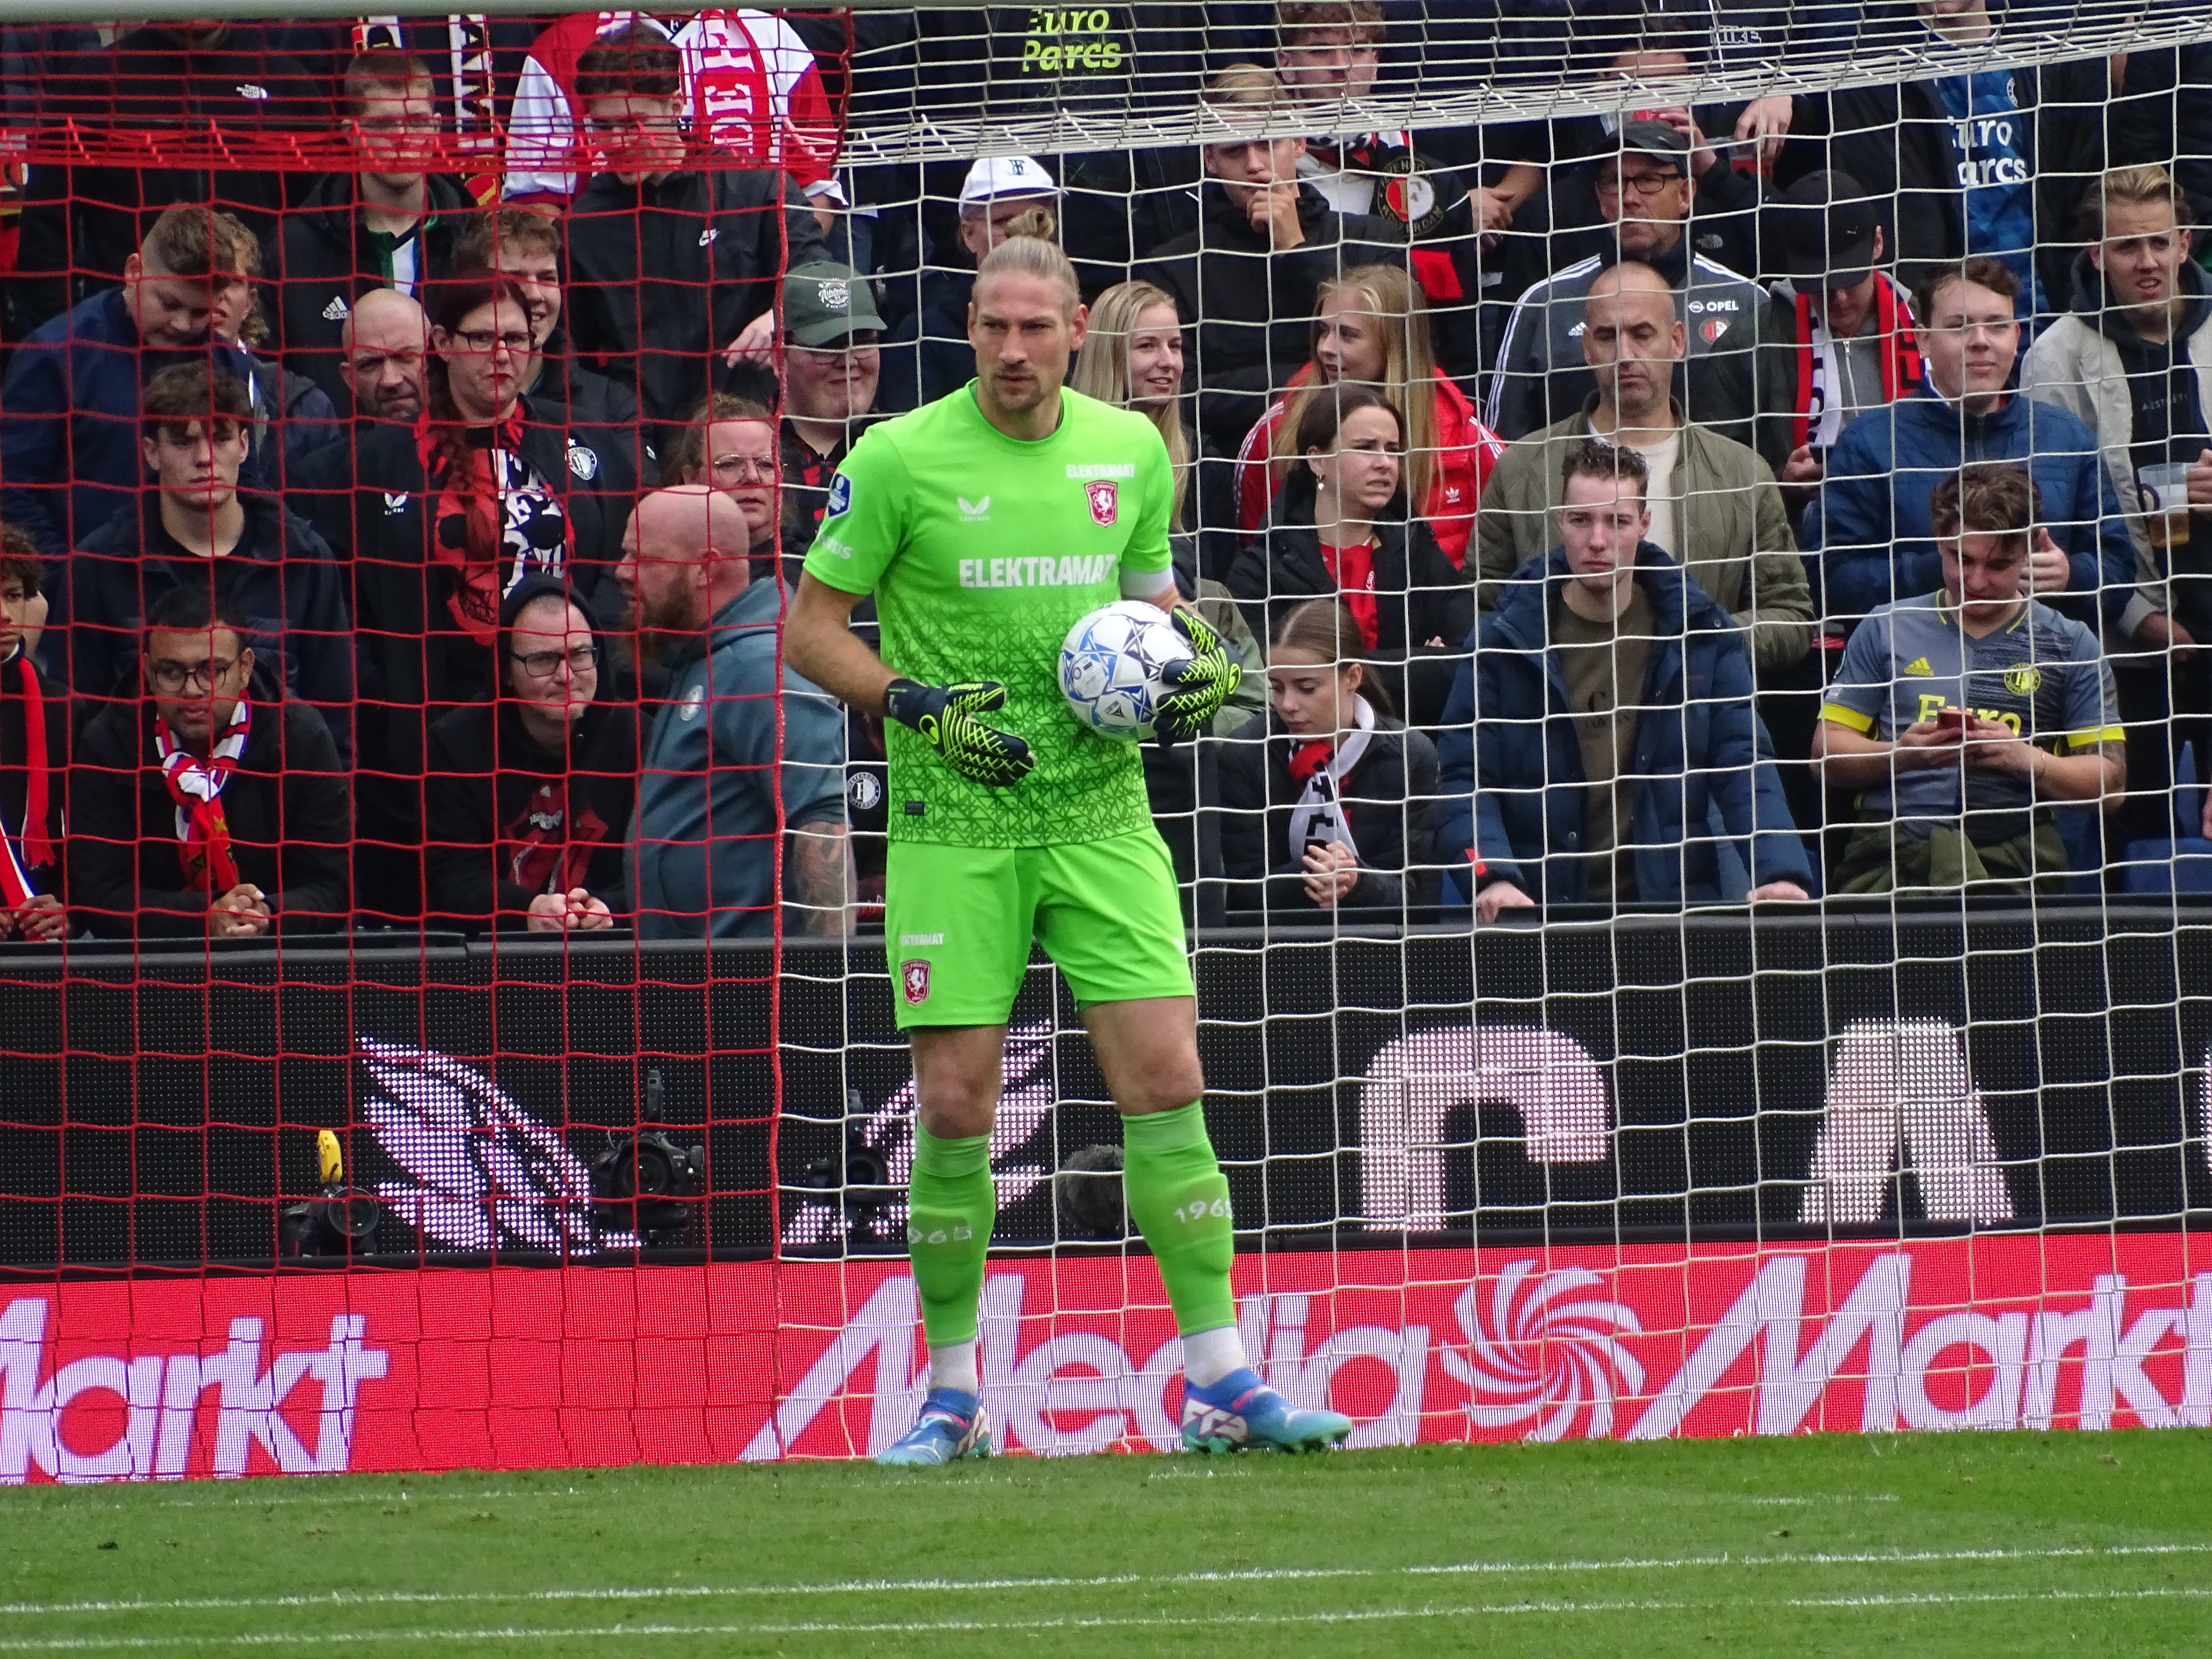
<point x="1961" y="715"/>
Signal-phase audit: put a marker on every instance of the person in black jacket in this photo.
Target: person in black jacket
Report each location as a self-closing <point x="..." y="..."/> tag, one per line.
<point x="437" y="521"/>
<point x="1328" y="801"/>
<point x="531" y="792"/>
<point x="1247" y="281"/>
<point x="674" y="266"/>
<point x="215" y="805"/>
<point x="69" y="407"/>
<point x="385" y="223"/>
<point x="81" y="223"/>
<point x="1341" y="527"/>
<point x="197" y="527"/>
<point x="34" y="729"/>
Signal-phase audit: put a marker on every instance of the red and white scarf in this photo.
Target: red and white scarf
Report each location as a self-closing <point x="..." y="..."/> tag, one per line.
<point x="1320" y="768"/>
<point x="196" y="786"/>
<point x="30" y="847"/>
<point x="1819" y="409"/>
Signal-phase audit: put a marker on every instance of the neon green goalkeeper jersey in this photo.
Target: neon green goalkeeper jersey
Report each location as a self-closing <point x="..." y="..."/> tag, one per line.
<point x="982" y="552"/>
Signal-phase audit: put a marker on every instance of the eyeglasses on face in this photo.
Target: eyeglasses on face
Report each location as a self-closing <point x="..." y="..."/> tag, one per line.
<point x="170" y="675"/>
<point x="484" y="339"/>
<point x="743" y="469"/>
<point x="1646" y="184"/>
<point x="543" y="664"/>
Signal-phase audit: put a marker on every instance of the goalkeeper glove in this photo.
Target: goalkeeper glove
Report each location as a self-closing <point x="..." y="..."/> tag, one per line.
<point x="947" y="716"/>
<point x="1202" y="682"/>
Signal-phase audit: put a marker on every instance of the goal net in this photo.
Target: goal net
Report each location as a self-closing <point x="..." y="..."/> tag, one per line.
<point x="1696" y="906"/>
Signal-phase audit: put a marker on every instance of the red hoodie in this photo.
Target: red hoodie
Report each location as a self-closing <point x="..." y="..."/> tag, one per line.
<point x="1466" y="450"/>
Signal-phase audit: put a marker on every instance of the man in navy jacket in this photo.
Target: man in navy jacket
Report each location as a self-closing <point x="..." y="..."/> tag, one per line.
<point x="69" y="409"/>
<point x="1616" y="721"/>
<point x="1869" y="537"/>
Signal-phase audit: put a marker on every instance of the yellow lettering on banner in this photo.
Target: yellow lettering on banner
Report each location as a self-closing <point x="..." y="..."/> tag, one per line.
<point x="1931" y="704"/>
<point x="1031" y="49"/>
<point x="1113" y="60"/>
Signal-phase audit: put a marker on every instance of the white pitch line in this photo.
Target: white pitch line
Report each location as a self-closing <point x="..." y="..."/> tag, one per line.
<point x="947" y="1627"/>
<point x="1109" y="1580"/>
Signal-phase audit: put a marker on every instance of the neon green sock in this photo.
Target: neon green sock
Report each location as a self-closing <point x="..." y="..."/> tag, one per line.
<point x="1180" y="1200"/>
<point x="950" y="1204"/>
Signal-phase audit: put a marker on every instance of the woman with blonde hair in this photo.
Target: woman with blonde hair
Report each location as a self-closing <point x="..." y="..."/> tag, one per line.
<point x="1131" y="358"/>
<point x="1371" y="327"/>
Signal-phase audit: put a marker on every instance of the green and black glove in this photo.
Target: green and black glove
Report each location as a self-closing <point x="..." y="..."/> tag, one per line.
<point x="1202" y="683"/>
<point x="949" y="718"/>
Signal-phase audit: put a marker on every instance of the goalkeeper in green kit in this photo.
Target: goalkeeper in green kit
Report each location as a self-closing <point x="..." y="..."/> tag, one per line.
<point x="985" y="524"/>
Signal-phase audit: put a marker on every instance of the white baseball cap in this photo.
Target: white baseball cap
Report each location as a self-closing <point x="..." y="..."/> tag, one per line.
<point x="1006" y="175"/>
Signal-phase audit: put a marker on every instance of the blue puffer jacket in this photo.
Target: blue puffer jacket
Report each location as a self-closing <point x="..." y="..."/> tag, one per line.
<point x="1869" y="535"/>
<point x="1511" y="767"/>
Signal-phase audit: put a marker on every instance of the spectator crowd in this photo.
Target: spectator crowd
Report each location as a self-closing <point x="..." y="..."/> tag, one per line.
<point x="1679" y="503"/>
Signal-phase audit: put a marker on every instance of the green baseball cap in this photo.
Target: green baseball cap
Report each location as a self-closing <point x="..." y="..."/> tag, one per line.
<point x="824" y="301"/>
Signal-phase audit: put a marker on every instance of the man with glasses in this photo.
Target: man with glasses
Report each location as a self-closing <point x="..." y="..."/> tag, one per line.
<point x="1643" y="192"/>
<point x="215" y="806"/>
<point x="831" y="364"/>
<point x="531" y="791"/>
<point x="1869" y="535"/>
<point x="386" y="224"/>
<point x="675" y="249"/>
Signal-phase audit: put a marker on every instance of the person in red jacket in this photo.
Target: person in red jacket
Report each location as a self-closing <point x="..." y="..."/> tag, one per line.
<point x="1371" y="328"/>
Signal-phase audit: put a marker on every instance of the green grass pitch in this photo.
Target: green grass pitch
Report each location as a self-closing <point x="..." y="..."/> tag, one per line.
<point x="2001" y="1544"/>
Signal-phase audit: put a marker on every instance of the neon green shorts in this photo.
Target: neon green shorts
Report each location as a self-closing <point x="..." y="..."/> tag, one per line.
<point x="958" y="923"/>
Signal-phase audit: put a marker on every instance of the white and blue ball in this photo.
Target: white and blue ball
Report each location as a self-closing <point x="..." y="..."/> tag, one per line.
<point x="1110" y="667"/>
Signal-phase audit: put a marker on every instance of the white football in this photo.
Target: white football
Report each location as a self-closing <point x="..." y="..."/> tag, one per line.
<point x="1110" y="666"/>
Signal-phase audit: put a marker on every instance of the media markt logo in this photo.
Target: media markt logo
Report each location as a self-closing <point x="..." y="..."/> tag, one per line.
<point x="486" y="1175"/>
<point x="163" y="1395"/>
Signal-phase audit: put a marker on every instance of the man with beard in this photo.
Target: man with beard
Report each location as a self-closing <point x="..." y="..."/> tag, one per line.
<point x="718" y="774"/>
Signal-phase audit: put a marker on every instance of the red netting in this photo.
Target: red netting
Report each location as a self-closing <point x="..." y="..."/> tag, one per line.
<point x="448" y="1017"/>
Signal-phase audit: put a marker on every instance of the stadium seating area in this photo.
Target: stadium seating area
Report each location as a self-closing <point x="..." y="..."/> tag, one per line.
<point x="1634" y="478"/>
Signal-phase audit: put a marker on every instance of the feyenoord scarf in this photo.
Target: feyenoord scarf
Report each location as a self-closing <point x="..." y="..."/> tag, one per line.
<point x="196" y="786"/>
<point x="1320" y="768"/>
<point x="1820" y="411"/>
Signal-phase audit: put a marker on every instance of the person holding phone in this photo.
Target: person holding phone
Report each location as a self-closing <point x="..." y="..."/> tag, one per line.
<point x="1962" y="717"/>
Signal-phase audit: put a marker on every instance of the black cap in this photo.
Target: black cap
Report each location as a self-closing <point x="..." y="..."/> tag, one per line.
<point x="1659" y="141"/>
<point x="1820" y="230"/>
<point x="538" y="585"/>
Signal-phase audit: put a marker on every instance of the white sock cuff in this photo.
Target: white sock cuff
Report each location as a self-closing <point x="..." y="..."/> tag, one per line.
<point x="953" y="1366"/>
<point x="1209" y="1356"/>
